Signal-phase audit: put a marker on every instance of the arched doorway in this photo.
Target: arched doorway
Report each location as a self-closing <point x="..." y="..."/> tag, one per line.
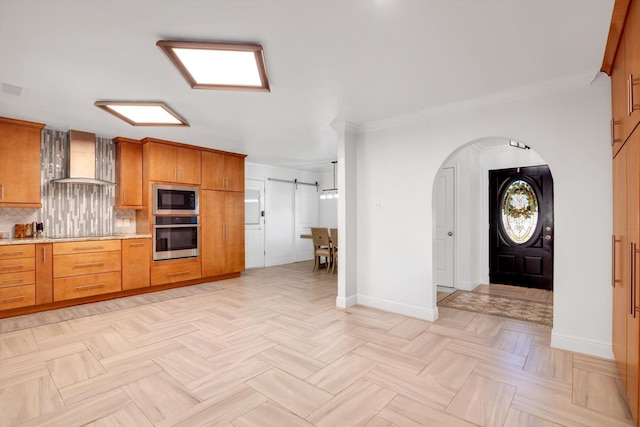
<point x="470" y="165"/>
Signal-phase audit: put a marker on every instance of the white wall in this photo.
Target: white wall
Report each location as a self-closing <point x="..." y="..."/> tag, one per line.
<point x="472" y="164"/>
<point x="328" y="208"/>
<point x="397" y="166"/>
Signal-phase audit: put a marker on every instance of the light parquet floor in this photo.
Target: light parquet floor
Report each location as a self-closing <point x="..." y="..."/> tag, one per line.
<point x="271" y="349"/>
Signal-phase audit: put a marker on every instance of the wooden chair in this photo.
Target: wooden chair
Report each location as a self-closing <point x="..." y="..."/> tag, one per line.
<point x="321" y="247"/>
<point x="334" y="249"/>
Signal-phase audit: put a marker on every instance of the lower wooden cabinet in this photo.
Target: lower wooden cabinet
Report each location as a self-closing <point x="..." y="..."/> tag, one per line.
<point x="82" y="269"/>
<point x="17" y="276"/>
<point x="136" y="256"/>
<point x="171" y="272"/>
<point x="44" y="273"/>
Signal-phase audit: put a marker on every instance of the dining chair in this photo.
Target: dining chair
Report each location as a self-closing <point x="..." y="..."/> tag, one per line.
<point x="321" y="247"/>
<point x="334" y="249"/>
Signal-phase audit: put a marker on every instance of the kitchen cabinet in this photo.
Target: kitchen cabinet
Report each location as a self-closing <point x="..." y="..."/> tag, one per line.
<point x="626" y="260"/>
<point x="17" y="276"/>
<point x="173" y="163"/>
<point x="222" y="171"/>
<point x="128" y="173"/>
<point x="44" y="273"/>
<point x="20" y="163"/>
<point x="166" y="272"/>
<point x="82" y="269"/>
<point x="222" y="225"/>
<point x="625" y="79"/>
<point x="136" y="255"/>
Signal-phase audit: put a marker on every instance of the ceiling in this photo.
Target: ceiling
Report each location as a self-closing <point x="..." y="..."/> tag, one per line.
<point x="354" y="60"/>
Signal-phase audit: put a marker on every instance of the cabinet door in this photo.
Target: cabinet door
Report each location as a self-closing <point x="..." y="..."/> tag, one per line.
<point x="19" y="164"/>
<point x="234" y="173"/>
<point x="162" y="162"/>
<point x="234" y="239"/>
<point x="212" y="212"/>
<point x="633" y="230"/>
<point x="213" y="173"/>
<point x="188" y="166"/>
<point x="632" y="60"/>
<point x="129" y="175"/>
<point x="618" y="100"/>
<point x="136" y="255"/>
<point x="44" y="273"/>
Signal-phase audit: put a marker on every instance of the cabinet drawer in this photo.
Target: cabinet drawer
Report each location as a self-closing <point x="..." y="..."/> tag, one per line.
<point x="17" y="251"/>
<point x="85" y="286"/>
<point x="171" y="273"/>
<point x="17" y="279"/>
<point x="89" y="263"/>
<point x="82" y="247"/>
<point x="17" y="296"/>
<point x="17" y="265"/>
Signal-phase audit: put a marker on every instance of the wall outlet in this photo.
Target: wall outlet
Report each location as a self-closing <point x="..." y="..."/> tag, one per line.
<point x="118" y="222"/>
<point x="126" y="222"/>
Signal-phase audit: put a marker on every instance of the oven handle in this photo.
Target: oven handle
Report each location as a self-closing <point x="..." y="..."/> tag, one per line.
<point x="177" y="226"/>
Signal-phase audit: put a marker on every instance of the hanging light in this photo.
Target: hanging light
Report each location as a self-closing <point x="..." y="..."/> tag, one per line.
<point x="331" y="193"/>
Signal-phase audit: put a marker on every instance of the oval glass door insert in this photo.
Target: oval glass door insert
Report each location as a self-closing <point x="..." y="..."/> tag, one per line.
<point x="519" y="212"/>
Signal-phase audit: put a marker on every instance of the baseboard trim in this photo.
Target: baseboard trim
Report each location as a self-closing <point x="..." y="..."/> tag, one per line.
<point x="579" y="345"/>
<point x="396" y="307"/>
<point x="346" y="302"/>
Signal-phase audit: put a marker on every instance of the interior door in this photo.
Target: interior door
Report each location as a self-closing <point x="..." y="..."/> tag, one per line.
<point x="280" y="223"/>
<point x="254" y="223"/>
<point x="445" y="189"/>
<point x="521" y="228"/>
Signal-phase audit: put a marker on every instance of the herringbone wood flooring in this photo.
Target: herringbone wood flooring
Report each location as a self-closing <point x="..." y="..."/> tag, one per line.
<point x="271" y="349"/>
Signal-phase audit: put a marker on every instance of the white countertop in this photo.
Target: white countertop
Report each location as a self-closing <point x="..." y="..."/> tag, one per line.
<point x="31" y="240"/>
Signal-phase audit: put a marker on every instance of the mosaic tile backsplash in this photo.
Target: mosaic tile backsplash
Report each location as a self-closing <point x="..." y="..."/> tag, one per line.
<point x="72" y="210"/>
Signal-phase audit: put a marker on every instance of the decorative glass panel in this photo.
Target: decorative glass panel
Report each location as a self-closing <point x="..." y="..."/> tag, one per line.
<point x="519" y="211"/>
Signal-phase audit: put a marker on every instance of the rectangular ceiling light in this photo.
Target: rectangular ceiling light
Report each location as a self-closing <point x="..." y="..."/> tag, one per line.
<point x="143" y="113"/>
<point x="223" y="66"/>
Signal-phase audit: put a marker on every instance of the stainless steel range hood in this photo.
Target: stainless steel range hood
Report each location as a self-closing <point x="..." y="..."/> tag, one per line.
<point x="82" y="160"/>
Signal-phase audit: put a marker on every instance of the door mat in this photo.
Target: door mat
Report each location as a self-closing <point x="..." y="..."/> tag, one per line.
<point x="512" y="308"/>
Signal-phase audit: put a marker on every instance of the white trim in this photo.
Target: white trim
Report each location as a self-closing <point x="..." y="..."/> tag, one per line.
<point x="395" y="307"/>
<point x="579" y="345"/>
<point x="464" y="285"/>
<point x="346" y="302"/>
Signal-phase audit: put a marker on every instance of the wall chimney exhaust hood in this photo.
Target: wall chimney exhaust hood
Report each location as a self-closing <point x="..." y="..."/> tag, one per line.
<point x="82" y="160"/>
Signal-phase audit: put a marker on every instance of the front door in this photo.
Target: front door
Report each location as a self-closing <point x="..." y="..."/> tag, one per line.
<point x="521" y="229"/>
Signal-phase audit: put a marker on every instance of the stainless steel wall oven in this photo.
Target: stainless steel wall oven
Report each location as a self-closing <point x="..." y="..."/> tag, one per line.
<point x="175" y="237"/>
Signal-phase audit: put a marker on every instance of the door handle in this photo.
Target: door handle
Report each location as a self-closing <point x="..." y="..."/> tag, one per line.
<point x="547" y="237"/>
<point x="450" y="233"/>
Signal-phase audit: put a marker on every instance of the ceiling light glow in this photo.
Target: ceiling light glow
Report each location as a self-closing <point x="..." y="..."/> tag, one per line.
<point x="143" y="113"/>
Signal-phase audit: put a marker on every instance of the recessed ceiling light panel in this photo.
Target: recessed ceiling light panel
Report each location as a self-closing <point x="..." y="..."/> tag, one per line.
<point x="223" y="66"/>
<point x="143" y="113"/>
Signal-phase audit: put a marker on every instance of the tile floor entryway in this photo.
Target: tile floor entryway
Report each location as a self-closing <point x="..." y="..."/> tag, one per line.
<point x="271" y="349"/>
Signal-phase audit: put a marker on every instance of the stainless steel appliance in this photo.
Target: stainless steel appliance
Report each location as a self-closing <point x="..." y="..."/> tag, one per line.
<point x="175" y="200"/>
<point x="175" y="237"/>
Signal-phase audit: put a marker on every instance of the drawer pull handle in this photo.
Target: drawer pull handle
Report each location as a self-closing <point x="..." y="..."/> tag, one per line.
<point x="89" y="264"/>
<point x="88" y="248"/>
<point x="12" y="253"/>
<point x="177" y="273"/>
<point x="18" y="298"/>
<point x="84" y="287"/>
<point x="136" y="244"/>
<point x="13" y="280"/>
<point x="8" y="267"/>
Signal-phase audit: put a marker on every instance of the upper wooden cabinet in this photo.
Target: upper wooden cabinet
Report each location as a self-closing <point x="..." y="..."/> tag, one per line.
<point x="222" y="171"/>
<point x="173" y="163"/>
<point x="19" y="163"/>
<point x="128" y="173"/>
<point x="624" y="40"/>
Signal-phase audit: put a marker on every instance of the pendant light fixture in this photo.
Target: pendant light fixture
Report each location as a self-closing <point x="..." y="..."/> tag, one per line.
<point x="331" y="193"/>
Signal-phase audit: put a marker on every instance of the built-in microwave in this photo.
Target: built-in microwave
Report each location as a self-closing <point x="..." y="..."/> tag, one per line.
<point x="175" y="237"/>
<point x="174" y="200"/>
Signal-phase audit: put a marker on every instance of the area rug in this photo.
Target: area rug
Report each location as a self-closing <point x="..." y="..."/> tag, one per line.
<point x="512" y="308"/>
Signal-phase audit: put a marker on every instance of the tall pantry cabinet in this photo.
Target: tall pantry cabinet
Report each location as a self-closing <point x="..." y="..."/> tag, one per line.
<point x="622" y="62"/>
